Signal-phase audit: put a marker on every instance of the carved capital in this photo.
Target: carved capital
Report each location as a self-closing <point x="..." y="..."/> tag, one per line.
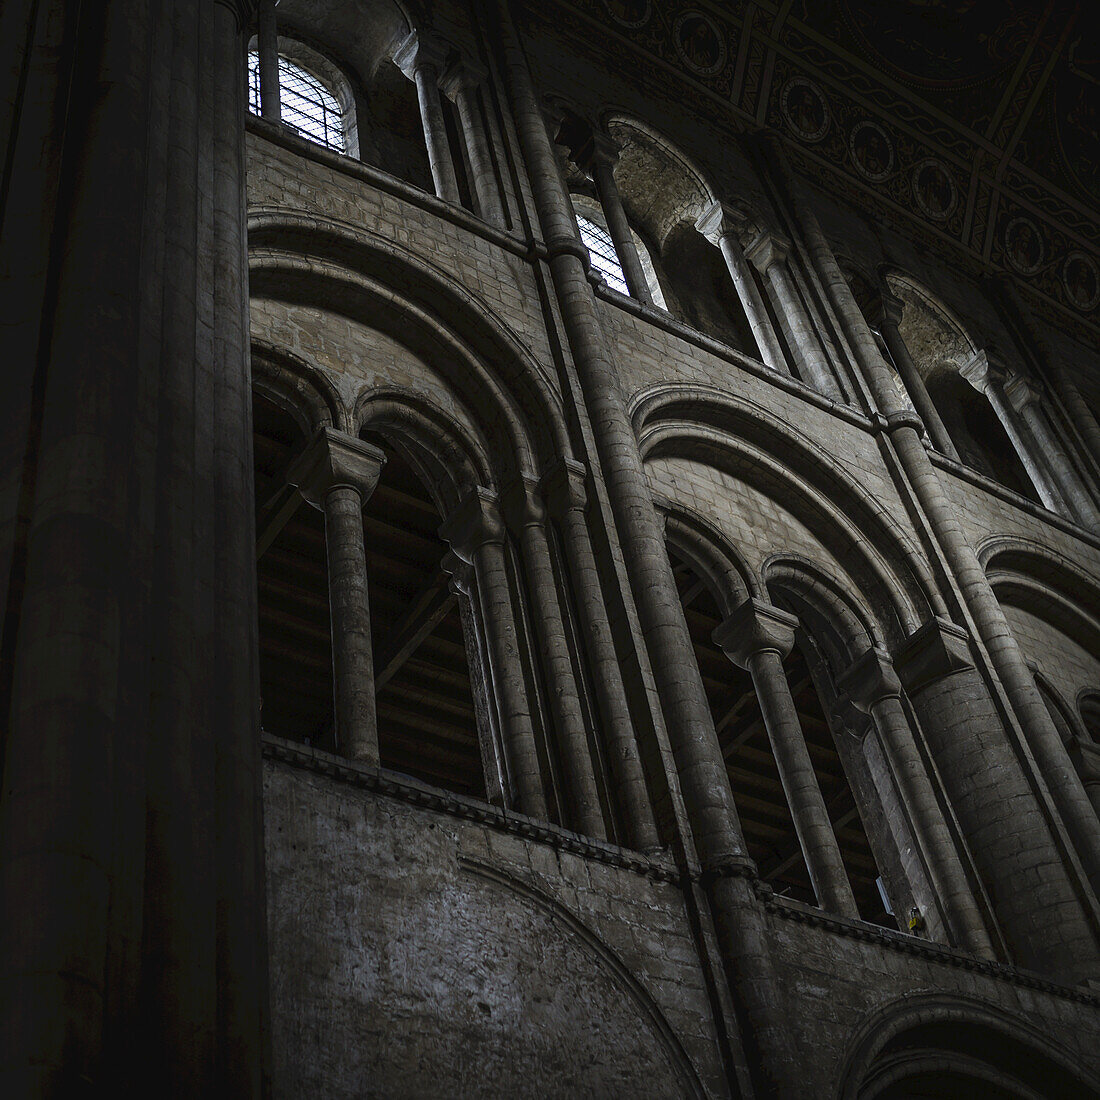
<point x="521" y="504"/>
<point x="768" y="249"/>
<point x="420" y="51"/>
<point x="983" y="370"/>
<point x="937" y="649"/>
<point x="891" y="310"/>
<point x="475" y="522"/>
<point x="334" y="459"/>
<point x="463" y="74"/>
<point x="720" y="220"/>
<point x="597" y="150"/>
<point x="870" y="679"/>
<point x="460" y="572"/>
<point x="1021" y="392"/>
<point x="755" y="627"/>
<point x="564" y="487"/>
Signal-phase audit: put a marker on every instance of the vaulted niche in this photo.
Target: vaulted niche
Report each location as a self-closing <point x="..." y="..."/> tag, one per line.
<point x="427" y="725"/>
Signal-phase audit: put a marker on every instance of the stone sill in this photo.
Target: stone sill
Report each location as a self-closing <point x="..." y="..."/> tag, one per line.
<point x="904" y="943"/>
<point x="403" y="787"/>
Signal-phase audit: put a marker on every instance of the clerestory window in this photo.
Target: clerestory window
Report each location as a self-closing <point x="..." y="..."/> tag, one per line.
<point x="307" y="105"/>
<point x="602" y="250"/>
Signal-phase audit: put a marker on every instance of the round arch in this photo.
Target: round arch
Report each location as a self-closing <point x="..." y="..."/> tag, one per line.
<point x="709" y="426"/>
<point x="954" y="1042"/>
<point x="298" y="387"/>
<point x="322" y="263"/>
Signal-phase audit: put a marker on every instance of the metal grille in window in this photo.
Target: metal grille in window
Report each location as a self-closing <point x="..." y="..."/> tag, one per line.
<point x="306" y="104"/>
<point x="602" y="250"/>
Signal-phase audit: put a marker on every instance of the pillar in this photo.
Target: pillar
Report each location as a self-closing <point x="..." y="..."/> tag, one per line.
<point x="526" y="516"/>
<point x="460" y="83"/>
<point x="476" y="534"/>
<point x="337" y="474"/>
<point x="1012" y="844"/>
<point x="422" y="60"/>
<point x="599" y="157"/>
<point x="874" y="688"/>
<point x="769" y="254"/>
<point x="889" y="319"/>
<point x="715" y="830"/>
<point x="1025" y="399"/>
<point x="721" y="225"/>
<point x="564" y="489"/>
<point x="267" y="46"/>
<point x="757" y="637"/>
<point x="131" y="862"/>
<point x="988" y="378"/>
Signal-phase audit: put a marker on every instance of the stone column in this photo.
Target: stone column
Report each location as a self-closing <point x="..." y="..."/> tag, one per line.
<point x="461" y="83"/>
<point x="564" y="488"/>
<point x="888" y="321"/>
<point x="874" y="688"/>
<point x="268" y="49"/>
<point x="757" y="637"/>
<point x="337" y="474"/>
<point x="599" y="157"/>
<point x="722" y="225"/>
<point x="526" y="515"/>
<point x="1025" y="399"/>
<point x="989" y="379"/>
<point x="1012" y="844"/>
<point x="422" y="61"/>
<point x="130" y="842"/>
<point x="769" y="254"/>
<point x="476" y="534"/>
<point x="1086" y="761"/>
<point x="714" y="827"/>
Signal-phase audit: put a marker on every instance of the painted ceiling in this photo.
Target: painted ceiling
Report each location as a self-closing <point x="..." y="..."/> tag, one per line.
<point x="978" y="121"/>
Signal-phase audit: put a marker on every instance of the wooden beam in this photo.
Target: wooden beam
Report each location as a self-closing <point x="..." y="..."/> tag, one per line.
<point x="423" y="616"/>
<point x="276" y="515"/>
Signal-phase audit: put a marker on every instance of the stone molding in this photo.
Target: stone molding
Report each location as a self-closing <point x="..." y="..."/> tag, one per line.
<point x="755" y="627"/>
<point x="870" y="679"/>
<point x="937" y="649"/>
<point x="521" y="504"/>
<point x="477" y="521"/>
<point x="564" y="487"/>
<point x="332" y="460"/>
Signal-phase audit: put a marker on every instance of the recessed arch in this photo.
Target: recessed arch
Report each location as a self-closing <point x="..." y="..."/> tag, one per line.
<point x="967" y="1041"/>
<point x="298" y="386"/>
<point x="322" y="263"/>
<point x="712" y="427"/>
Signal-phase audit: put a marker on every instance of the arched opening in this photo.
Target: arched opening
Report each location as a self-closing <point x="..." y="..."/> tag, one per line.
<point x="754" y="775"/>
<point x="1089" y="707"/>
<point x="294" y="625"/>
<point x="427" y="721"/>
<point x="601" y="248"/>
<point x="976" y="431"/>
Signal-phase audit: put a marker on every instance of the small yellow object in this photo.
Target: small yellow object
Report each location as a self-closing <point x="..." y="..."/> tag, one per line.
<point x="916" y="920"/>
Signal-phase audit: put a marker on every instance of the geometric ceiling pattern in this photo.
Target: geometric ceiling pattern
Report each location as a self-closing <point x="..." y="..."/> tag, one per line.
<point x="974" y="122"/>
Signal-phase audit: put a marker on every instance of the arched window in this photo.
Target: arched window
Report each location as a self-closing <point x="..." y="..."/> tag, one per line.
<point x="597" y="239"/>
<point x="308" y="106"/>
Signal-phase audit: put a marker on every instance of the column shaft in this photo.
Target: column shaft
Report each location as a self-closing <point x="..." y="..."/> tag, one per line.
<point x="818" y="373"/>
<point x="619" y="228"/>
<point x="426" y="78"/>
<point x="565" y="705"/>
<point x="771" y="351"/>
<point x="796" y="771"/>
<point x="918" y="392"/>
<point x="349" y="607"/>
<point x="627" y="776"/>
<point x="268" y="48"/>
<point x="495" y="599"/>
<point x="941" y="859"/>
<point x="485" y="183"/>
